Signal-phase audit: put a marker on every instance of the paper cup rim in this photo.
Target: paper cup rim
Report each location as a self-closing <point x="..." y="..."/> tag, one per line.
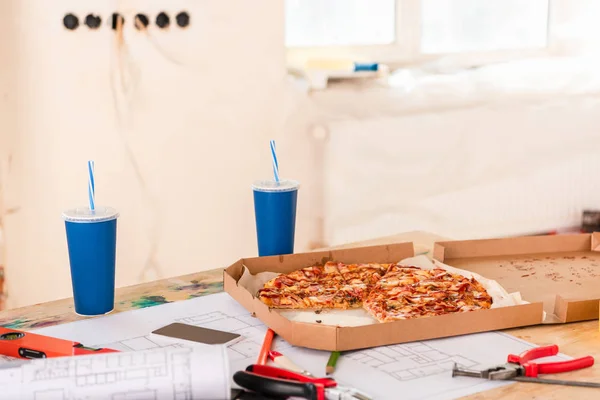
<point x="284" y="185"/>
<point x="85" y="215"/>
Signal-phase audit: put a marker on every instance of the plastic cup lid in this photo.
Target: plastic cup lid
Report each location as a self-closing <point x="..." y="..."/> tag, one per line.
<point x="284" y="185"/>
<point x="84" y="214"/>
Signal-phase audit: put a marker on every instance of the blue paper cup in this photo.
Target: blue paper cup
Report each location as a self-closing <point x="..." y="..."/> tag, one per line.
<point x="275" y="213"/>
<point x="92" y="242"/>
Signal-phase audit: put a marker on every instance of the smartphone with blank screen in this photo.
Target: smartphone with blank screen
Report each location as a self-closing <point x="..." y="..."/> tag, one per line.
<point x="178" y="331"/>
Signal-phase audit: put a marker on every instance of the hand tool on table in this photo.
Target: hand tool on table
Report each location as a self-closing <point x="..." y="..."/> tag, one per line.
<point x="27" y="345"/>
<point x="280" y="383"/>
<point x="521" y="368"/>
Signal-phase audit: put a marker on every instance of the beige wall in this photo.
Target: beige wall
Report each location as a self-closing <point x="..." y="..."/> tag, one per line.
<point x="176" y="148"/>
<point x="8" y="72"/>
<point x="178" y="123"/>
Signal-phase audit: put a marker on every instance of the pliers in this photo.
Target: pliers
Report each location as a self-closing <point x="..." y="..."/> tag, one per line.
<point x="521" y="368"/>
<point x="280" y="384"/>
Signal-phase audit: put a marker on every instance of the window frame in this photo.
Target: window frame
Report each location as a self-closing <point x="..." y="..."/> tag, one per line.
<point x="405" y="50"/>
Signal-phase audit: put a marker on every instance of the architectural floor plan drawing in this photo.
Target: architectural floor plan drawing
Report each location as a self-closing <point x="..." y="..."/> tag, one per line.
<point x="410" y="361"/>
<point x="237" y="320"/>
<point x="6" y="359"/>
<point x="420" y="370"/>
<point x="163" y="373"/>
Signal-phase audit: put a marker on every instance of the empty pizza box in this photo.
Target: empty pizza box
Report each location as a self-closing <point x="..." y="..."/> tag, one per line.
<point x="560" y="271"/>
<point x="316" y="335"/>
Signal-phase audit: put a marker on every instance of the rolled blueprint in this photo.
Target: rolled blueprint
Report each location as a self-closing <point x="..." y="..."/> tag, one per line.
<point x="199" y="372"/>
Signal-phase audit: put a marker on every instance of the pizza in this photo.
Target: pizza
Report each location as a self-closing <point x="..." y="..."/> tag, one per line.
<point x="410" y="292"/>
<point x="388" y="292"/>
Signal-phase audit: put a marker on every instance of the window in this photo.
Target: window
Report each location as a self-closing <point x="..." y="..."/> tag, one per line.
<point x="411" y="31"/>
<point x="339" y="22"/>
<point x="454" y="26"/>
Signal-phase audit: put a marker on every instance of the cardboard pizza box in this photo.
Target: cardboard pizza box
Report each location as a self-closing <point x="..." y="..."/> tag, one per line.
<point x="561" y="271"/>
<point x="328" y="337"/>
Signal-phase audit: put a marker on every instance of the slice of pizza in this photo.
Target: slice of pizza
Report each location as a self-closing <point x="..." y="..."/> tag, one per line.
<point x="411" y="292"/>
<point x="314" y="287"/>
<point x="299" y="278"/>
<point x="307" y="278"/>
<point x="277" y="298"/>
<point x="343" y="298"/>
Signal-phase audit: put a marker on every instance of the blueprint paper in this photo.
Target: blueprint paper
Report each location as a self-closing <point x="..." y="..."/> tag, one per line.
<point x="418" y="370"/>
<point x="162" y="373"/>
<point x="6" y="359"/>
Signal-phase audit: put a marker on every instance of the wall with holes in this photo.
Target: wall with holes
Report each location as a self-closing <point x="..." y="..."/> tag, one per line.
<point x="175" y="106"/>
<point x="8" y="104"/>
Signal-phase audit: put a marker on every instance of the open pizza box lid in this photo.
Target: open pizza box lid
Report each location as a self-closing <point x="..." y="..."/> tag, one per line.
<point x="330" y="337"/>
<point x="562" y="271"/>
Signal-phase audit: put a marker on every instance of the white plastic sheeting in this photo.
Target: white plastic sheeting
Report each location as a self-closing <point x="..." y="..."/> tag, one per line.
<point x="507" y="149"/>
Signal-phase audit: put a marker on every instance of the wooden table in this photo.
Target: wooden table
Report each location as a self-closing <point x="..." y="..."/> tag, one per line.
<point x="575" y="339"/>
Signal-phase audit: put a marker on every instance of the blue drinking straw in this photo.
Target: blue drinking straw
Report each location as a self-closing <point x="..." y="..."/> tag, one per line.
<point x="91" y="184"/>
<point x="275" y="163"/>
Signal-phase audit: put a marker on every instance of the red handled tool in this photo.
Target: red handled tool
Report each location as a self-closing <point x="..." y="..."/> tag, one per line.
<point x="20" y="344"/>
<point x="521" y="368"/>
<point x="280" y="383"/>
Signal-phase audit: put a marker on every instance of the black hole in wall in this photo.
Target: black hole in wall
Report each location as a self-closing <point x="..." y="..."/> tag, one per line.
<point x="141" y="21"/>
<point x="183" y="19"/>
<point x="162" y="20"/>
<point x="115" y="18"/>
<point x="93" y="21"/>
<point x="71" y="22"/>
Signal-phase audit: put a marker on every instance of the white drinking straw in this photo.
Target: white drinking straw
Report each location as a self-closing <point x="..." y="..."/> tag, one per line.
<point x="91" y="184"/>
<point x="275" y="163"/>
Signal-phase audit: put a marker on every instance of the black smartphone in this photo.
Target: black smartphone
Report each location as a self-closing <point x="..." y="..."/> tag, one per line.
<point x="179" y="331"/>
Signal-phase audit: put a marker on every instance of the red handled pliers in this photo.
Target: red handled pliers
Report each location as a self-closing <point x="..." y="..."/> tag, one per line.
<point x="275" y="382"/>
<point x="521" y="368"/>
